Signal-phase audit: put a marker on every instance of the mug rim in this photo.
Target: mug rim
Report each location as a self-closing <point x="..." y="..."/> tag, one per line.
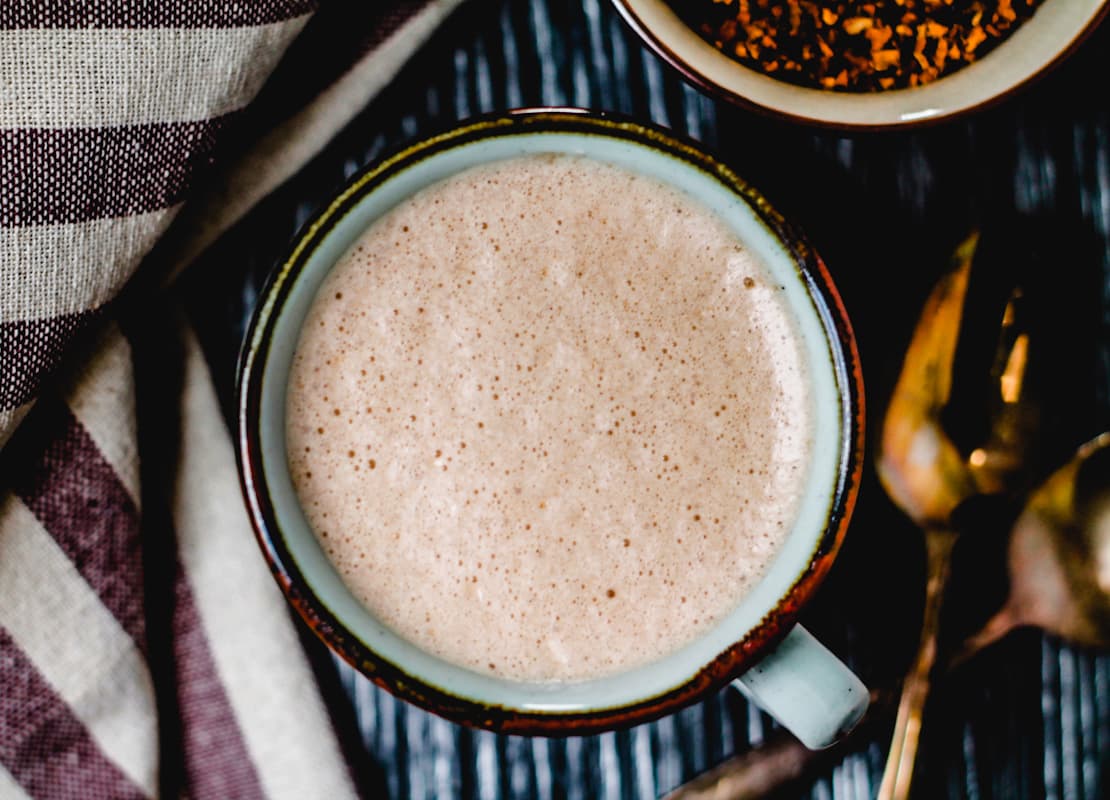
<point x="737" y="658"/>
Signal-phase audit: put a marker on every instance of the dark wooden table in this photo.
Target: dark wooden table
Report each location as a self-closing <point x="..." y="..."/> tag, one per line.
<point x="1028" y="718"/>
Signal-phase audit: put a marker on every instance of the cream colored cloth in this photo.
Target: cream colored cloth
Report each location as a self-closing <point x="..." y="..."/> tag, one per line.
<point x="143" y="656"/>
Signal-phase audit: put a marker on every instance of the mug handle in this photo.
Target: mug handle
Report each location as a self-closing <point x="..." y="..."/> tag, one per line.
<point x="807" y="689"/>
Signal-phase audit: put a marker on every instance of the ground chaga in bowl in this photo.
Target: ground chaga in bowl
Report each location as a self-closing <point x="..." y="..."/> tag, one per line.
<point x="855" y="45"/>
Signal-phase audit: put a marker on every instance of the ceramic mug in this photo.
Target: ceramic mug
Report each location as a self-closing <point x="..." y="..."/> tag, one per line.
<point x="758" y="645"/>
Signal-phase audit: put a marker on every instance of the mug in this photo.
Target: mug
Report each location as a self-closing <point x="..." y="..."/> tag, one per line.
<point x="758" y="645"/>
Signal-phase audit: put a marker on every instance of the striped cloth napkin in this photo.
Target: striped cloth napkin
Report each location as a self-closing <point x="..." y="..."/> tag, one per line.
<point x="151" y="655"/>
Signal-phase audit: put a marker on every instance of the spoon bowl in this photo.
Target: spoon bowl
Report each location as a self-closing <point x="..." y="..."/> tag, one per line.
<point x="1059" y="557"/>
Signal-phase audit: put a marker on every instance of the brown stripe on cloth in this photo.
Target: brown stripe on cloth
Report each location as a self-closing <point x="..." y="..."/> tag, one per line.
<point x="138" y="168"/>
<point x="133" y="14"/>
<point x="101" y="395"/>
<point x="61" y="626"/>
<point x="31" y="349"/>
<point x="336" y="37"/>
<point x="217" y="764"/>
<point x="10" y="788"/>
<point x="54" y="466"/>
<point x="247" y="623"/>
<point x="43" y="745"/>
<point x="285" y="143"/>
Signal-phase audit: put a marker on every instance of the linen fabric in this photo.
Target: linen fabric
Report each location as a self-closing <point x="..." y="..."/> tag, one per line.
<point x="148" y="655"/>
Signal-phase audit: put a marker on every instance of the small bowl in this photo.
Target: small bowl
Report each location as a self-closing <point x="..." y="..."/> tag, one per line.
<point x="1037" y="45"/>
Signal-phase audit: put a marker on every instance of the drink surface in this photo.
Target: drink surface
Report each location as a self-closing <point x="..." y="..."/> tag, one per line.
<point x="550" y="419"/>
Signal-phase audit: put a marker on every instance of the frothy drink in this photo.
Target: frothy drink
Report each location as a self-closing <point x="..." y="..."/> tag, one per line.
<point x="550" y="419"/>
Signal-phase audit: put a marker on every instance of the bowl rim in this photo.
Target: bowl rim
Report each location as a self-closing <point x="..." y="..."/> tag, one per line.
<point x="334" y="633"/>
<point x="649" y="37"/>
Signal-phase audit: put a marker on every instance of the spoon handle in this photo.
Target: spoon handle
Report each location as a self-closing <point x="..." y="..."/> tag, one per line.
<point x="778" y="762"/>
<point x="898" y="774"/>
<point x="997" y="626"/>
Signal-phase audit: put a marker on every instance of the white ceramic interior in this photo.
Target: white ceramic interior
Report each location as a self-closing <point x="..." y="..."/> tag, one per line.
<point x="1032" y="47"/>
<point x="641" y="683"/>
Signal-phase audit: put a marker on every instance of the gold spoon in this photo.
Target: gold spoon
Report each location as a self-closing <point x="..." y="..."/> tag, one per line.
<point x="1060" y="581"/>
<point x="928" y="477"/>
<point x="1059" y="557"/>
<point x="1059" y="565"/>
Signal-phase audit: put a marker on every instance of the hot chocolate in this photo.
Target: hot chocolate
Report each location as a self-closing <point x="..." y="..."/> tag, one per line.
<point x="550" y="419"/>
